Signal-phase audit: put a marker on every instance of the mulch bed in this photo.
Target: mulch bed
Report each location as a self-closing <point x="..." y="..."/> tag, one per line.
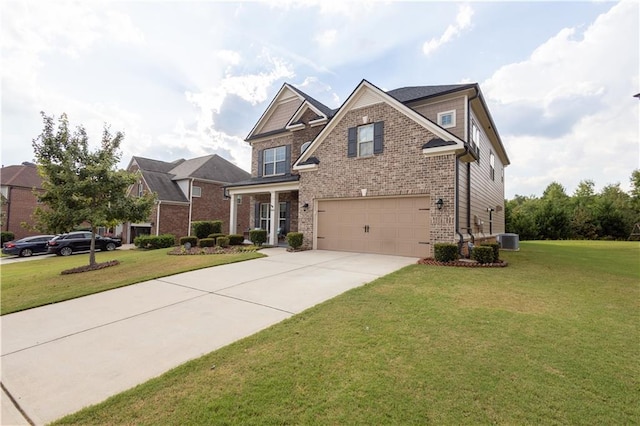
<point x="463" y="263"/>
<point x="87" y="268"/>
<point x="181" y="251"/>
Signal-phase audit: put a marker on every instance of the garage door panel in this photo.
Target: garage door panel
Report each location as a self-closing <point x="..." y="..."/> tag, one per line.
<point x="396" y="225"/>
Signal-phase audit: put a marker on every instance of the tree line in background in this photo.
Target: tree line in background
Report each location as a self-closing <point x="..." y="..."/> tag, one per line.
<point x="609" y="214"/>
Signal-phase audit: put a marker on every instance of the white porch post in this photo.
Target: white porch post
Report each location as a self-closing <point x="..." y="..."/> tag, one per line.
<point x="233" y="220"/>
<point x="275" y="214"/>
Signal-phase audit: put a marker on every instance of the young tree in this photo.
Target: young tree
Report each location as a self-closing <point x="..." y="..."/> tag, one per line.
<point x="83" y="186"/>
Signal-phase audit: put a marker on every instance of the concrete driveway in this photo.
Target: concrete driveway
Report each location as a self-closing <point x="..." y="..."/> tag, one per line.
<point x="60" y="358"/>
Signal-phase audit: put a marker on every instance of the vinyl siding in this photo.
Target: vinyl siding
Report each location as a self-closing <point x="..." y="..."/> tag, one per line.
<point x="431" y="111"/>
<point x="281" y="115"/>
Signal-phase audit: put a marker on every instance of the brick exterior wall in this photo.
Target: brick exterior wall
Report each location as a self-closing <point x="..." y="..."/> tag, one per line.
<point x="19" y="208"/>
<point x="401" y="169"/>
<point x="213" y="206"/>
<point x="174" y="219"/>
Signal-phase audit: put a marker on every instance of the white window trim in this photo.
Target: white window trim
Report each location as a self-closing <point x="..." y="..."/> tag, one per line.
<point x="196" y="191"/>
<point x="359" y="142"/>
<point x="275" y="162"/>
<point x="453" y="119"/>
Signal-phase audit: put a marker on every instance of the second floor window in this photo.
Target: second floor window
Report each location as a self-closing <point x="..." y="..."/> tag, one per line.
<point x="492" y="165"/>
<point x="274" y="161"/>
<point x="365" y="140"/>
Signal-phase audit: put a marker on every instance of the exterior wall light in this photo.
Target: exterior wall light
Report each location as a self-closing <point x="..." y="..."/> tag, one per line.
<point x="305" y="206"/>
<point x="439" y="203"/>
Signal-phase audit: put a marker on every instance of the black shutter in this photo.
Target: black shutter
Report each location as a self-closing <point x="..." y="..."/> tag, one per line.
<point x="257" y="215"/>
<point x="352" y="145"/>
<point x="260" y="160"/>
<point x="287" y="159"/>
<point x="378" y="137"/>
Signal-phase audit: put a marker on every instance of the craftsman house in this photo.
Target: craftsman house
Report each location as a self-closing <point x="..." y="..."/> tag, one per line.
<point x="17" y="185"/>
<point x="187" y="191"/>
<point x="388" y="172"/>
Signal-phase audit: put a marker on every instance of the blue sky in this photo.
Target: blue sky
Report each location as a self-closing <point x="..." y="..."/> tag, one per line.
<point x="186" y="79"/>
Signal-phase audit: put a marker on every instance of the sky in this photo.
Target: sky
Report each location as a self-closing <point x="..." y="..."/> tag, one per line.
<point x="188" y="79"/>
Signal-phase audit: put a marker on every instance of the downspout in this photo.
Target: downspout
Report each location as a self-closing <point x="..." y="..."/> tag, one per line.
<point x="457" y="200"/>
<point x="469" y="136"/>
<point x="8" y="203"/>
<point x="190" y="206"/>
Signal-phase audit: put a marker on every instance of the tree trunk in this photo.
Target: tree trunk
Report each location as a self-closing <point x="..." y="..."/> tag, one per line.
<point x="92" y="252"/>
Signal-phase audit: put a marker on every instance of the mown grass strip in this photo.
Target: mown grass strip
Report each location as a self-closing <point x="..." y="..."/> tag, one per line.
<point x="551" y="339"/>
<point x="35" y="283"/>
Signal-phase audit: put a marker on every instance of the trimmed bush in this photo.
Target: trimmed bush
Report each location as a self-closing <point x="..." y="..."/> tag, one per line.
<point x="258" y="236"/>
<point x="153" y="242"/>
<point x="191" y="240"/>
<point x="496" y="249"/>
<point x="216" y="236"/>
<point x="294" y="239"/>
<point x="7" y="236"/>
<point x="482" y="254"/>
<point x="206" y="242"/>
<point x="204" y="228"/>
<point x="445" y="252"/>
<point x="236" y="239"/>
<point x="222" y="241"/>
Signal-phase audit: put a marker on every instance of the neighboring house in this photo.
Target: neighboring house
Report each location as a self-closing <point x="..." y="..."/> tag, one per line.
<point x="187" y="191"/>
<point x="17" y="185"/>
<point x="388" y="172"/>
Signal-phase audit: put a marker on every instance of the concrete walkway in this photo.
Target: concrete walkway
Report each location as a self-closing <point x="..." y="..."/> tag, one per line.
<point x="60" y="358"/>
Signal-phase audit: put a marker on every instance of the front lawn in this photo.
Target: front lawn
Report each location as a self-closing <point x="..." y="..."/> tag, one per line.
<point x="551" y="339"/>
<point x="38" y="282"/>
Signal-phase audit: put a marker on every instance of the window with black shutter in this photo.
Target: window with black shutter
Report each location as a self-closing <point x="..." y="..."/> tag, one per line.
<point x="366" y="140"/>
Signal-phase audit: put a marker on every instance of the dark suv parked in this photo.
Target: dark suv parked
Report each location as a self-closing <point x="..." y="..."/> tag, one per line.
<point x="65" y="244"/>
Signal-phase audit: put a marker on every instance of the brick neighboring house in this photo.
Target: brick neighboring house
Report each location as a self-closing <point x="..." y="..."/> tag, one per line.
<point x="17" y="184"/>
<point x="187" y="190"/>
<point x="388" y="172"/>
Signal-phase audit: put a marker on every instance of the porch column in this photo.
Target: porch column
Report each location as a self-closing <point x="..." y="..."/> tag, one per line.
<point x="275" y="215"/>
<point x="233" y="220"/>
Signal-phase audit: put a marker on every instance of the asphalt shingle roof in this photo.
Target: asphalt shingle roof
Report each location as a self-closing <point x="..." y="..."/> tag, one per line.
<point x="413" y="93"/>
<point x="162" y="176"/>
<point x="25" y="176"/>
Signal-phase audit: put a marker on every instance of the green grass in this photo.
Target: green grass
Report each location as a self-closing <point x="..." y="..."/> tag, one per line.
<point x="551" y="339"/>
<point x="35" y="283"/>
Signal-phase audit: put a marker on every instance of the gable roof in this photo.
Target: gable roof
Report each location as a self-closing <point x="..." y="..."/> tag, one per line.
<point x="373" y="94"/>
<point x="24" y="175"/>
<point x="306" y="101"/>
<point x="161" y="177"/>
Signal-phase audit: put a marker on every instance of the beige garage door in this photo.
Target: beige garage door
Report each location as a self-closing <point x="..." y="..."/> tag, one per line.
<point x="398" y="226"/>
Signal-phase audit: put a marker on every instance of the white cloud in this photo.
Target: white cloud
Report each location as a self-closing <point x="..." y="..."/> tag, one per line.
<point x="463" y="21"/>
<point x="327" y="38"/>
<point x="229" y="56"/>
<point x="562" y="80"/>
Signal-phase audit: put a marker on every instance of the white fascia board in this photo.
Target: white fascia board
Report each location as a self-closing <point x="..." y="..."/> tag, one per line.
<point x="296" y="116"/>
<point x="264" y="189"/>
<point x="453" y="149"/>
<point x="294" y="127"/>
<point x="306" y="167"/>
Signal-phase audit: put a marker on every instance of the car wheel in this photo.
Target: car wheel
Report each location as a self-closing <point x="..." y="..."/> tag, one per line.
<point x="26" y="252"/>
<point x="65" y="251"/>
<point x="110" y="246"/>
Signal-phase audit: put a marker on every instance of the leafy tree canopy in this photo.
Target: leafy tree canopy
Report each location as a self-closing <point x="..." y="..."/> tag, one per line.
<point x="82" y="186"/>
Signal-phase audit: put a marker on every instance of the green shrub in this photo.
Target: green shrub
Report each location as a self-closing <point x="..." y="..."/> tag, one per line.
<point x="496" y="249"/>
<point x="482" y="254"/>
<point x="236" y="239"/>
<point x="206" y="242"/>
<point x="191" y="240"/>
<point x="222" y="241"/>
<point x="445" y="252"/>
<point x="294" y="239"/>
<point x="216" y="236"/>
<point x="154" y="241"/>
<point x="7" y="236"/>
<point x="258" y="236"/>
<point x="204" y="228"/>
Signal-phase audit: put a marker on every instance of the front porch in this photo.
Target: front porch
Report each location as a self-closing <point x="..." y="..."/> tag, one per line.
<point x="274" y="206"/>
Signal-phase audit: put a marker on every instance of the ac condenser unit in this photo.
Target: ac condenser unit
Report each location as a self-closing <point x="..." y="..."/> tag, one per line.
<point x="509" y="241"/>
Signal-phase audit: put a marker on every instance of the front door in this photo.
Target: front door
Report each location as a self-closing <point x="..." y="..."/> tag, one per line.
<point x="264" y="221"/>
